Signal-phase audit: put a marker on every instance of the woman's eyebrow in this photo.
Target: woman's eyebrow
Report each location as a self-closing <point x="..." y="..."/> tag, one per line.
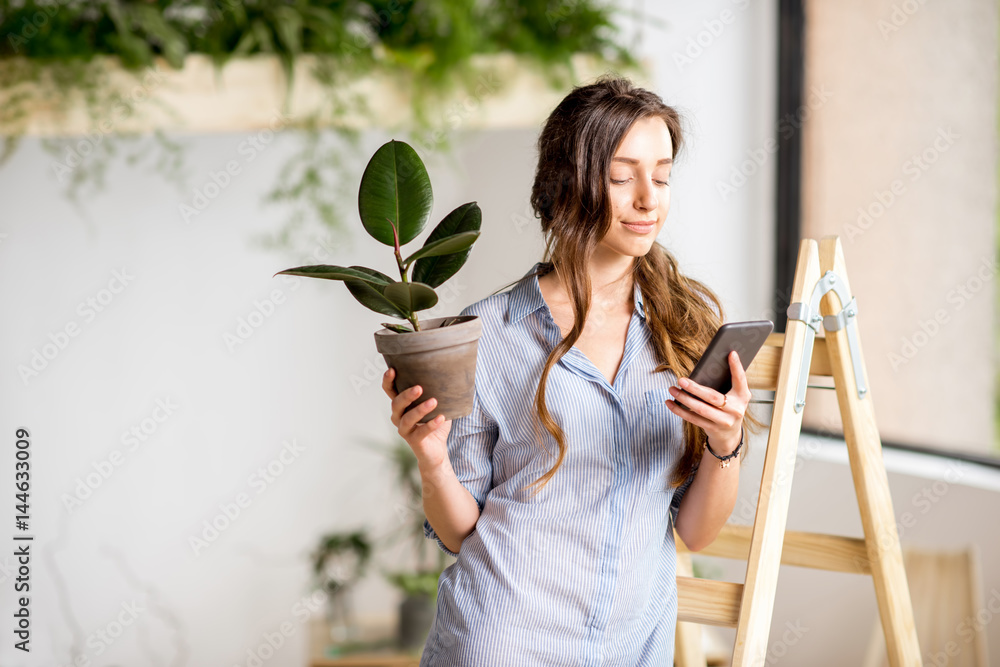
<point x="632" y="160"/>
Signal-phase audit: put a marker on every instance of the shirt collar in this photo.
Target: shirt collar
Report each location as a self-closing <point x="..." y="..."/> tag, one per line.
<point x="637" y="293"/>
<point x="526" y="297"/>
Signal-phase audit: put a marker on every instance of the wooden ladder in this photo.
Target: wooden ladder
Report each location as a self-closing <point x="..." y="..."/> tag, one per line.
<point x="821" y="299"/>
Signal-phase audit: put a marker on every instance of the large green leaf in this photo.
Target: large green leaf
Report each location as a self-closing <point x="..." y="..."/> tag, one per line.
<point x="378" y="275"/>
<point x="436" y="269"/>
<point x="331" y="272"/>
<point x="445" y="246"/>
<point x="411" y="297"/>
<point x="371" y="295"/>
<point x="395" y="187"/>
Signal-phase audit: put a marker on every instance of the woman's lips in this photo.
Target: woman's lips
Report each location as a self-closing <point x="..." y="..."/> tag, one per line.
<point x="642" y="227"/>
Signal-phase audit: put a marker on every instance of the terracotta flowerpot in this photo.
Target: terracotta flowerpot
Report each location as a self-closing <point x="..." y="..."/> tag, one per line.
<point x="442" y="360"/>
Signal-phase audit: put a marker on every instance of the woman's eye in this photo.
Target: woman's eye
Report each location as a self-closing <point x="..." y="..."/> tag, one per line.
<point x="625" y="180"/>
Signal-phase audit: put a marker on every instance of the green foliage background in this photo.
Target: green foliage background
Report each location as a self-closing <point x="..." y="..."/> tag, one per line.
<point x="429" y="37"/>
<point x="430" y="45"/>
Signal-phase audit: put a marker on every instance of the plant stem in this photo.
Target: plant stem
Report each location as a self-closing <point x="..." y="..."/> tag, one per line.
<point x="412" y="316"/>
<point x="399" y="263"/>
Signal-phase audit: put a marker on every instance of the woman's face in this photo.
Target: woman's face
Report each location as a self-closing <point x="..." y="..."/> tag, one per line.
<point x="639" y="188"/>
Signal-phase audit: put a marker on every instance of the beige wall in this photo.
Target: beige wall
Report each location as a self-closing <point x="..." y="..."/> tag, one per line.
<point x="907" y="133"/>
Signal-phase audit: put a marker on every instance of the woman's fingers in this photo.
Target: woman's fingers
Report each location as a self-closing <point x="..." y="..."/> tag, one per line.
<point x="387" y="378"/>
<point x="706" y="394"/>
<point x="421" y="431"/>
<point x="707" y="402"/>
<point x="408" y="422"/>
<point x="739" y="375"/>
<point x="402" y="401"/>
<point x="705" y="406"/>
<point x="693" y="405"/>
<point x="690" y="415"/>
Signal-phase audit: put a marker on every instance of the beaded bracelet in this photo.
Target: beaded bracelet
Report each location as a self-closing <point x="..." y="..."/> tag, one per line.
<point x="724" y="460"/>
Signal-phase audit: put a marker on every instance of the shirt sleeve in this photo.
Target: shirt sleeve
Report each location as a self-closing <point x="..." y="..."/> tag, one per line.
<point x="470" y="450"/>
<point x="675" y="502"/>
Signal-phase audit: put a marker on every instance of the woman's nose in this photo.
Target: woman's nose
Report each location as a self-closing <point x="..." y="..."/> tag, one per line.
<point x="646" y="196"/>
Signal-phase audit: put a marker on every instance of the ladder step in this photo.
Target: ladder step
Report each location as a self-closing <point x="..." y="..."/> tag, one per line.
<point x="708" y="601"/>
<point x="763" y="371"/>
<point x="802" y="549"/>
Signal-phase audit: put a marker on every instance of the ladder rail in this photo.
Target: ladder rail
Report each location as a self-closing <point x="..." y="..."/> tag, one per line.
<point x="767" y="540"/>
<point x="766" y="545"/>
<point x="871" y="483"/>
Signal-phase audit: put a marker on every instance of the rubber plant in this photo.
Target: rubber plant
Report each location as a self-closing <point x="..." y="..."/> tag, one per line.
<point x="394" y="202"/>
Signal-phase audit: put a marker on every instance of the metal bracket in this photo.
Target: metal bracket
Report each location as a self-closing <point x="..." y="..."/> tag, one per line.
<point x="845" y="319"/>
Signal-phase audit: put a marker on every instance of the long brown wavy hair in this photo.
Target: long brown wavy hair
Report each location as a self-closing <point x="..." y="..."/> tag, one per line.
<point x="570" y="197"/>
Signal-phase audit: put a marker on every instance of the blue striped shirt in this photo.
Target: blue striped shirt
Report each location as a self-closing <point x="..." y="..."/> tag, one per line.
<point x="584" y="572"/>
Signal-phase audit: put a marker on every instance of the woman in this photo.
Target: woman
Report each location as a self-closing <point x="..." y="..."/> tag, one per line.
<point x="564" y="538"/>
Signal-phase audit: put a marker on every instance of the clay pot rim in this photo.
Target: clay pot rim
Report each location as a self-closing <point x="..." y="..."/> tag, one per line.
<point x="434" y="326"/>
<point x="464" y="332"/>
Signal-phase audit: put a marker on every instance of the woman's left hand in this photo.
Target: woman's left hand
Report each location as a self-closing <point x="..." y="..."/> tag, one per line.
<point x="719" y="415"/>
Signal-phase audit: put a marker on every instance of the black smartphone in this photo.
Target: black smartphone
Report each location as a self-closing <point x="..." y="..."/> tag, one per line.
<point x="746" y="338"/>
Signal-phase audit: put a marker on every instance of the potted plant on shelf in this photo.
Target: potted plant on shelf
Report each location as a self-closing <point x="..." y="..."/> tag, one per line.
<point x="394" y="202"/>
<point x="338" y="562"/>
<point x="416" y="611"/>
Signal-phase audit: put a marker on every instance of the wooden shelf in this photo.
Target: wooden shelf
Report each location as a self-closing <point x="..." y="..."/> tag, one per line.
<point x="374" y="645"/>
<point x="368" y="660"/>
<point x="249" y="94"/>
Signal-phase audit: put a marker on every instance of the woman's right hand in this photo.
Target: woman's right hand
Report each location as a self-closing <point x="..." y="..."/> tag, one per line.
<point x="429" y="441"/>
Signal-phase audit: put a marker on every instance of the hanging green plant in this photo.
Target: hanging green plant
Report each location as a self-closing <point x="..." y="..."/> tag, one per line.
<point x="56" y="57"/>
